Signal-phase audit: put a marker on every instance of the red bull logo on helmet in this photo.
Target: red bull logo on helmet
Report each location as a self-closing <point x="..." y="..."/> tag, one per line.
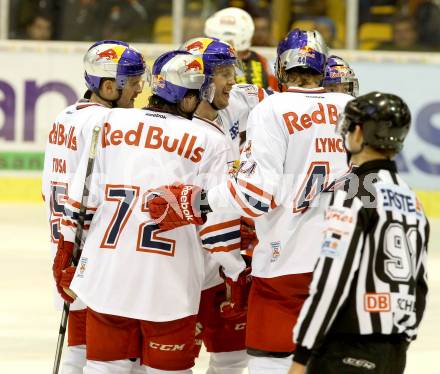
<point x="340" y="72"/>
<point x="108" y="54"/>
<point x="195" y="46"/>
<point x="308" y="51"/>
<point x="158" y="81"/>
<point x="195" y="65"/>
<point x="111" y="54"/>
<point x="198" y="45"/>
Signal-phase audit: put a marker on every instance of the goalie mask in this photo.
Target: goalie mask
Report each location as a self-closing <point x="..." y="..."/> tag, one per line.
<point x="301" y="49"/>
<point x="175" y="73"/>
<point x="340" y="77"/>
<point x="115" y="60"/>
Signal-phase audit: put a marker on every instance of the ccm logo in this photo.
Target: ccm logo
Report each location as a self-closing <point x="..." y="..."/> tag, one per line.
<point x="377" y="302"/>
<point x="167" y="347"/>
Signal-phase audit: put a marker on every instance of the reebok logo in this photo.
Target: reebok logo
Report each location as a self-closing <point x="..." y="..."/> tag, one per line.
<point x="185" y="204"/>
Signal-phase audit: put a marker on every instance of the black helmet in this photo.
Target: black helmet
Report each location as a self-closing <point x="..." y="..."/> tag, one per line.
<point x="385" y="119"/>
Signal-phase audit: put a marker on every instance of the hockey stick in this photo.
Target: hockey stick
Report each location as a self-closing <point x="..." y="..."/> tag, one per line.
<point x="77" y="245"/>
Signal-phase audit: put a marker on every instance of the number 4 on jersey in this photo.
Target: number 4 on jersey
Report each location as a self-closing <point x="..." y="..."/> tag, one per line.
<point x="315" y="181"/>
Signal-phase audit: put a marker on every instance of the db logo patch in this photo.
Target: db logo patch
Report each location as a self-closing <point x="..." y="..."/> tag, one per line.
<point x="377" y="302"/>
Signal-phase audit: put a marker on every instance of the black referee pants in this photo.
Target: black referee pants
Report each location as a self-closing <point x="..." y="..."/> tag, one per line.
<point x="349" y="354"/>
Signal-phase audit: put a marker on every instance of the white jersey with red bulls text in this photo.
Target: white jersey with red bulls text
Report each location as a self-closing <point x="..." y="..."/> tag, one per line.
<point x="242" y="99"/>
<point x="292" y="152"/>
<point x="129" y="267"/>
<point x="67" y="141"/>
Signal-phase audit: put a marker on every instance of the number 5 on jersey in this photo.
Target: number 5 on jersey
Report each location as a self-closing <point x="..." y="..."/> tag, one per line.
<point x="58" y="195"/>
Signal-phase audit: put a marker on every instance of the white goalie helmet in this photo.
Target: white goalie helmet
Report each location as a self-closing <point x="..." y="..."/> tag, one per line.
<point x="232" y="25"/>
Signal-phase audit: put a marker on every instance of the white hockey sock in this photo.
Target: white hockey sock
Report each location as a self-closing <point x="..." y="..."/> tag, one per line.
<point x="74" y="360"/>
<point x="272" y="365"/>
<point x="108" y="367"/>
<point x="227" y="362"/>
<point x="137" y="368"/>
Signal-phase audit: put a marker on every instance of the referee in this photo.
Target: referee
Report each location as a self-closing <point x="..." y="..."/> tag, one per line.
<point x="369" y="287"/>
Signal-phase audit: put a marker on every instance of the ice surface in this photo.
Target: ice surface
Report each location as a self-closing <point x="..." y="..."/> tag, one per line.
<point x="29" y="323"/>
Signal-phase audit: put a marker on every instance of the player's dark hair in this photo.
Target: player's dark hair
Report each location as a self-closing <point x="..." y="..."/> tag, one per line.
<point x="302" y="76"/>
<point x="304" y="70"/>
<point x="159" y="104"/>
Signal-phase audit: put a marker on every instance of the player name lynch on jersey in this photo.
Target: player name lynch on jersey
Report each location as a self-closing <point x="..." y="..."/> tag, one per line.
<point x="292" y="153"/>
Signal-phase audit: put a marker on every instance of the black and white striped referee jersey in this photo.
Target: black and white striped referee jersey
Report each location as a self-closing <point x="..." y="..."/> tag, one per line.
<point x="371" y="274"/>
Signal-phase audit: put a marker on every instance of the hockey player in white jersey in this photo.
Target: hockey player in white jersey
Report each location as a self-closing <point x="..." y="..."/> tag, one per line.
<point x="340" y="77"/>
<point x="292" y="152"/>
<point x="230" y="105"/>
<point x="114" y="75"/>
<point x="222" y="333"/>
<point x="142" y="286"/>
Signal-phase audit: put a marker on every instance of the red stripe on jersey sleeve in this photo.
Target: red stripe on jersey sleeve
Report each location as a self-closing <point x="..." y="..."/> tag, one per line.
<point x="219" y="226"/>
<point x="227" y="248"/>
<point x="240" y="202"/>
<point x="77" y="205"/>
<point x="255" y="189"/>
